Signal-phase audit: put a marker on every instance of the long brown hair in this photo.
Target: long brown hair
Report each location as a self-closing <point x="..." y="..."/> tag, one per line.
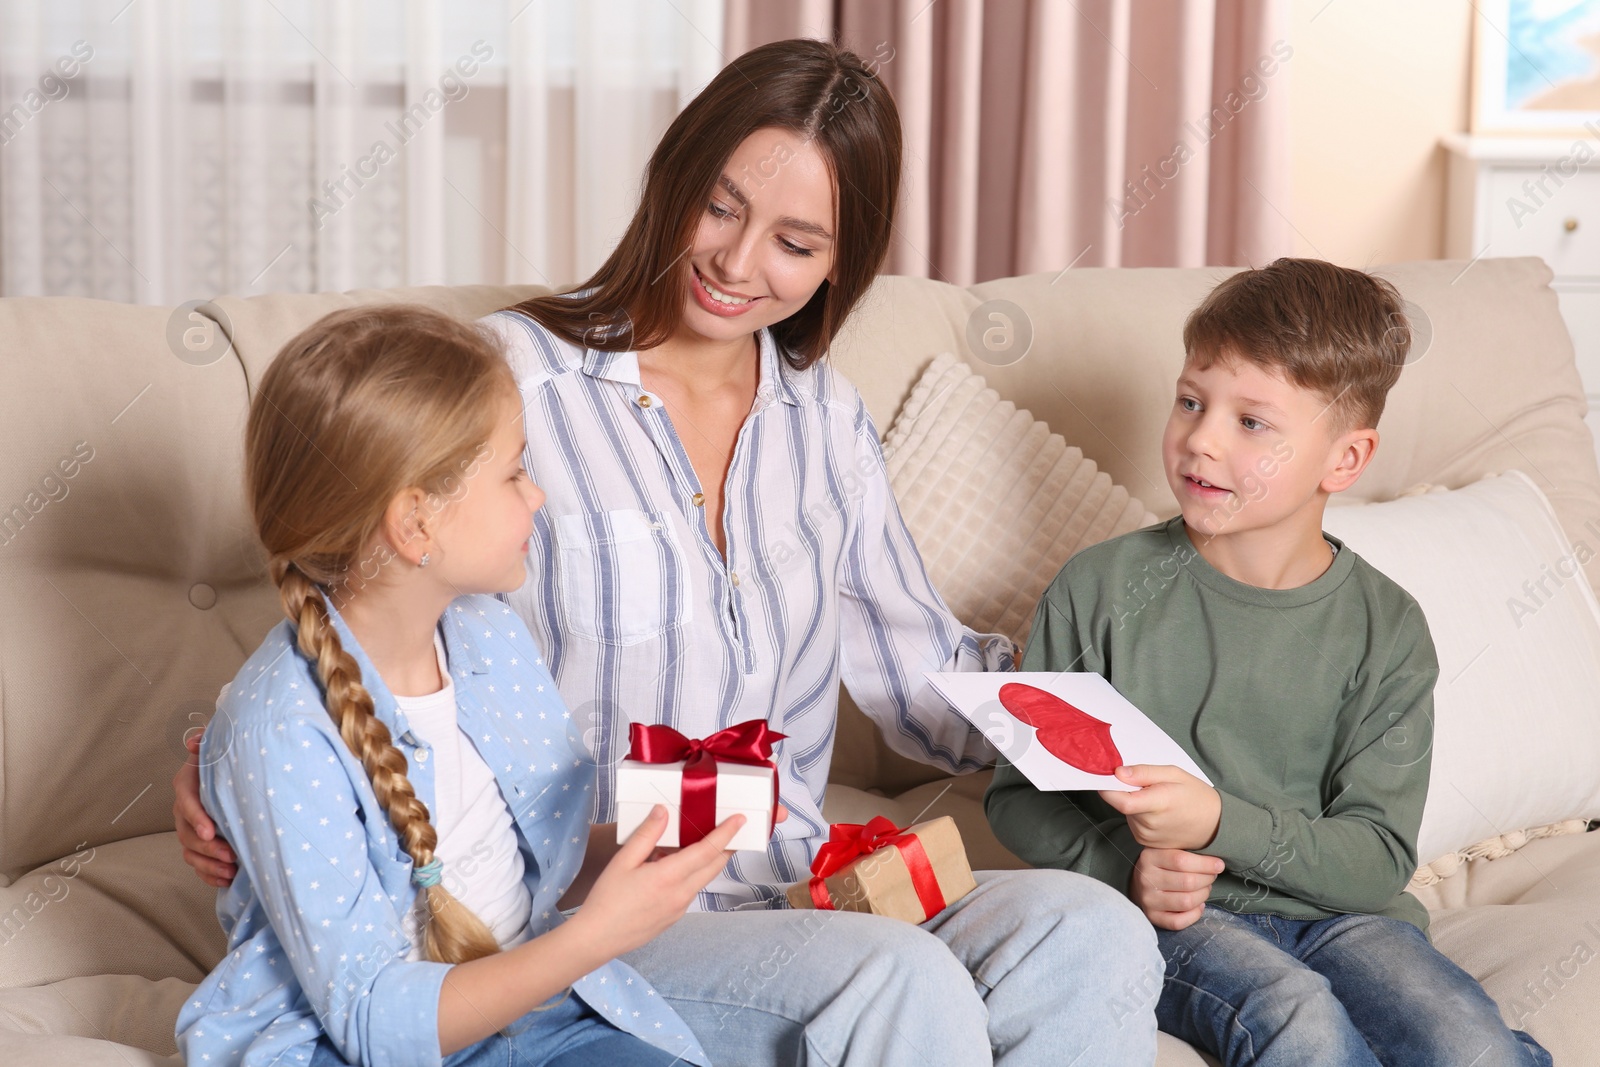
<point x="824" y="94"/>
<point x="360" y="405"/>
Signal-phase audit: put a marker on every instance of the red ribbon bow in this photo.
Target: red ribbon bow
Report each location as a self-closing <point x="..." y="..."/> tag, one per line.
<point x="746" y="742"/>
<point x="848" y="842"/>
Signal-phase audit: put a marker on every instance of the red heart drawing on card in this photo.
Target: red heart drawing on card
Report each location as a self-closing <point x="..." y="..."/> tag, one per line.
<point x="1068" y="733"/>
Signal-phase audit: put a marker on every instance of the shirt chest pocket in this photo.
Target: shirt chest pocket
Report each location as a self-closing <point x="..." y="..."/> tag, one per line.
<point x="621" y="576"/>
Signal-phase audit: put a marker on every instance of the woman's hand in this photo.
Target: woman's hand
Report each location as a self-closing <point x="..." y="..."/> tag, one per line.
<point x="635" y="898"/>
<point x="213" y="861"/>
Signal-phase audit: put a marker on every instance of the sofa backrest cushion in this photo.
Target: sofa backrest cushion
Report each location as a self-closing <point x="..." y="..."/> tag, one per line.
<point x="131" y="589"/>
<point x="1496" y="389"/>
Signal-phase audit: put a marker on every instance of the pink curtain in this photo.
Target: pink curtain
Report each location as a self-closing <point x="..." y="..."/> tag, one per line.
<point x="1048" y="133"/>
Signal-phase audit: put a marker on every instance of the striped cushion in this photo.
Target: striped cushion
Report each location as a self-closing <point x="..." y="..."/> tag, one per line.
<point x="995" y="501"/>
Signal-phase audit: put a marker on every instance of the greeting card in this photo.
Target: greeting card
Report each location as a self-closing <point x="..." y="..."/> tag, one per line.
<point x="1070" y="730"/>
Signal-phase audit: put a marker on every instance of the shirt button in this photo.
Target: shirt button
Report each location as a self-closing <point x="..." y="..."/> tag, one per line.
<point x="699" y="499"/>
<point x="422" y="753"/>
<point x="644" y="401"/>
<point x="734" y="576"/>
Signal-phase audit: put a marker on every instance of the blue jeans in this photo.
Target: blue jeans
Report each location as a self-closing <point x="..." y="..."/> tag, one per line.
<point x="1032" y="967"/>
<point x="567" y="1035"/>
<point x="1353" y="989"/>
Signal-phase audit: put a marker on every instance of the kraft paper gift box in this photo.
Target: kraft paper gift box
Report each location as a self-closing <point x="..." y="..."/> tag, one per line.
<point x="741" y="788"/>
<point x="881" y="881"/>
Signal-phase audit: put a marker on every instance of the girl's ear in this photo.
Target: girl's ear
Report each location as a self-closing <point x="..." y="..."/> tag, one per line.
<point x="403" y="527"/>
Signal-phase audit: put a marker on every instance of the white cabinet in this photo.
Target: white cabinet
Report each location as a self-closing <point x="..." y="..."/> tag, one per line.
<point x="1526" y="196"/>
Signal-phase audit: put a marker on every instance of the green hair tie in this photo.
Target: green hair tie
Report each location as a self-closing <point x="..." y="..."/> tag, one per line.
<point x="428" y="874"/>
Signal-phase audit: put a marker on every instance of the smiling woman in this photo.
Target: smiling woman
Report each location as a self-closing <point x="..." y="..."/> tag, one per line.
<point x="742" y="243"/>
<point x="689" y="432"/>
<point x="775" y="122"/>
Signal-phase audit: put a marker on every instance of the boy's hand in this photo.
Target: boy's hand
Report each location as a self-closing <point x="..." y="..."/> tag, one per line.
<point x="1171" y="886"/>
<point x="1171" y="809"/>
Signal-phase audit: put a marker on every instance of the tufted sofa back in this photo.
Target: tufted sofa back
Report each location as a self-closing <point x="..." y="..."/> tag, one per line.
<point x="131" y="586"/>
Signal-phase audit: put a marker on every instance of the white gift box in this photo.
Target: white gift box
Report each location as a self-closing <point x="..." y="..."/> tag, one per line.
<point x="741" y="789"/>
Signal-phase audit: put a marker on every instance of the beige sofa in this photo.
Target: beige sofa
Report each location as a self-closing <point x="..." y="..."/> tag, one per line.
<point x="132" y="590"/>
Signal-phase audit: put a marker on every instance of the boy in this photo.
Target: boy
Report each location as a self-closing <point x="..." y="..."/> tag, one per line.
<point x="1297" y="676"/>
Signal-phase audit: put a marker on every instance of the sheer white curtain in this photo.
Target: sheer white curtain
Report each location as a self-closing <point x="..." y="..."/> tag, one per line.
<point x="158" y="151"/>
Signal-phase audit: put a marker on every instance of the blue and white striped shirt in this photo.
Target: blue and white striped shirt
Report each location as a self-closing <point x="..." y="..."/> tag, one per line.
<point x="643" y="620"/>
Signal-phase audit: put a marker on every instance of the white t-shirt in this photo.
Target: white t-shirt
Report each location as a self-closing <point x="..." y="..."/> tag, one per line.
<point x="477" y="839"/>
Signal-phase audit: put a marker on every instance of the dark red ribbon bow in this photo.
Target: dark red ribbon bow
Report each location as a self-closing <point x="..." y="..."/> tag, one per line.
<point x="746" y="742"/>
<point x="848" y="842"/>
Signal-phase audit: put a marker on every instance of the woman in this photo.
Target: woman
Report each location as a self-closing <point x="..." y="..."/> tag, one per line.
<point x="720" y="543"/>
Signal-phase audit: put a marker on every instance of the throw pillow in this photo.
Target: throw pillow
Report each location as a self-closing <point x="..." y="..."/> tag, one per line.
<point x="1516" y="739"/>
<point x="995" y="501"/>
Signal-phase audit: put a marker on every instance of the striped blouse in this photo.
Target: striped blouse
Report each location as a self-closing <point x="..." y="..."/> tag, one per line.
<point x="642" y="620"/>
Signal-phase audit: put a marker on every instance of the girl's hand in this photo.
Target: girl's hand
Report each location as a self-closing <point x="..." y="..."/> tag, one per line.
<point x="213" y="861"/>
<point x="635" y="897"/>
<point x="779" y="814"/>
<point x="602" y="848"/>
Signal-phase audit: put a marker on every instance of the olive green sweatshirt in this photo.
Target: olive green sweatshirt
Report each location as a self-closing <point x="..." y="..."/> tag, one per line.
<point x="1310" y="709"/>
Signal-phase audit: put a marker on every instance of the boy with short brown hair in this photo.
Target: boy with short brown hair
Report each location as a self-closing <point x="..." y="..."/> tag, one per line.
<point x="1296" y="675"/>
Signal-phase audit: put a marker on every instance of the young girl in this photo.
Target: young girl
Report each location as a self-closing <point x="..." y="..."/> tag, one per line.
<point x="393" y="766"/>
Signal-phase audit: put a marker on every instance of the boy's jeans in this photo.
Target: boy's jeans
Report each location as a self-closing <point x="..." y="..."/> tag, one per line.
<point x="1353" y="989"/>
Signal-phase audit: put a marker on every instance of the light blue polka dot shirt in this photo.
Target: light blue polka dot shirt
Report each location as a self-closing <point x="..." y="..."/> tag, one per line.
<point x="315" y="941"/>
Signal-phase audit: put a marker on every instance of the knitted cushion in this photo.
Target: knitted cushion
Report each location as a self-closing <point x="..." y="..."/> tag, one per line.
<point x="995" y="501"/>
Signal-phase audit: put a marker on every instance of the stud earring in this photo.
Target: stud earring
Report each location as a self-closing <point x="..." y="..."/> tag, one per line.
<point x="423" y="562"/>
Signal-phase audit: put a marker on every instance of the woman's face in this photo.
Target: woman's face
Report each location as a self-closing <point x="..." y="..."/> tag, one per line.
<point x="765" y="240"/>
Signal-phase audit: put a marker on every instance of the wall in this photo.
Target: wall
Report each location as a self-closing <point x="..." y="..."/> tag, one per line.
<point x="1375" y="85"/>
